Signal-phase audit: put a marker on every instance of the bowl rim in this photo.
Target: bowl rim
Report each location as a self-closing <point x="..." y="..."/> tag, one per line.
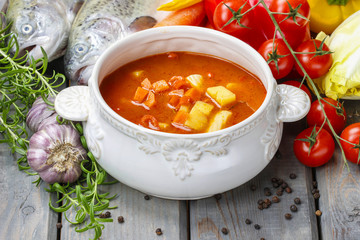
<point x="190" y="31"/>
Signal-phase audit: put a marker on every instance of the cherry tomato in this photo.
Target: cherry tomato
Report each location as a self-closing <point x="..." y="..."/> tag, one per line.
<point x="315" y="65"/>
<point x="321" y="151"/>
<point x="336" y="115"/>
<point x="286" y="21"/>
<point x="352" y="134"/>
<point x="297" y="84"/>
<point x="278" y="56"/>
<point x="224" y="19"/>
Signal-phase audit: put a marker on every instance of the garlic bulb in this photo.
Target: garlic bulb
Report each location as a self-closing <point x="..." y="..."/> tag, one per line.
<point x="55" y="152"/>
<point x="40" y="115"/>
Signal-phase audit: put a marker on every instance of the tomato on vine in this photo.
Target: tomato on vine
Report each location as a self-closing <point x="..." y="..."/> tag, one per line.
<point x="291" y="14"/>
<point x="351" y="134"/>
<point x="335" y="113"/>
<point x="315" y="57"/>
<point x="231" y="17"/>
<point x="314" y="147"/>
<point x="278" y="57"/>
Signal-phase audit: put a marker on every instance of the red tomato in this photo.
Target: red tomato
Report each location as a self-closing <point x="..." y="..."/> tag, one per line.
<point x="352" y="134"/>
<point x="336" y="116"/>
<point x="286" y="22"/>
<point x="278" y="56"/>
<point x="315" y="66"/>
<point x="321" y="151"/>
<point x="297" y="84"/>
<point x="224" y="18"/>
<point x="209" y="6"/>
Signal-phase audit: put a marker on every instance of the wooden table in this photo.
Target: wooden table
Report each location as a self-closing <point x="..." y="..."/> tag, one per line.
<point x="25" y="214"/>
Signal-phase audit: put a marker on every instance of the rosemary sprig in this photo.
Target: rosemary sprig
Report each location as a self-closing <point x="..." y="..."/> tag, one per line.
<point x="22" y="80"/>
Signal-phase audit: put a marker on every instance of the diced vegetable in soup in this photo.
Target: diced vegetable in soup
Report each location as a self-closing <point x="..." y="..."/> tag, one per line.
<point x="183" y="92"/>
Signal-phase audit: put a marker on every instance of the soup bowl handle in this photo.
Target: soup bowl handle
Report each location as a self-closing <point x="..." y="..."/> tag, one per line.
<point x="73" y="103"/>
<point x="294" y="103"/>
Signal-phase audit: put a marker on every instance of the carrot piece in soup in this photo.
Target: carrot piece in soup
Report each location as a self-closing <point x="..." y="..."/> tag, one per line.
<point x="181" y="116"/>
<point x="178" y="92"/>
<point x="140" y="94"/>
<point x="150" y="100"/>
<point x="194" y="94"/>
<point x="174" y="101"/>
<point x="149" y="121"/>
<point x="160" y="86"/>
<point x="146" y="84"/>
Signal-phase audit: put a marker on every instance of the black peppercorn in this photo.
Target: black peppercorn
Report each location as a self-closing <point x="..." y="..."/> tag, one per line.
<point x="120" y="219"/>
<point x="315" y="185"/>
<point x="292" y="175"/>
<point x="275" y="185"/>
<point x="279" y="192"/>
<point x="257" y="226"/>
<point x="158" y="231"/>
<point x="315" y="191"/>
<point x="275" y="199"/>
<point x="274" y="180"/>
<point x="262" y="238"/>
<point x="284" y="185"/>
<point x="248" y="221"/>
<point x="147" y="197"/>
<point x="260" y="201"/>
<point x="288" y="190"/>
<point x="58" y="225"/>
<point x="260" y="207"/>
<point x="268" y="193"/>
<point x="264" y="205"/>
<point x="280" y="181"/>
<point x="105" y="215"/>
<point x="267" y="201"/>
<point x="224" y="230"/>
<point x="293" y="208"/>
<point x="252" y="187"/>
<point x="217" y="196"/>
<point x="297" y="201"/>
<point x="288" y="216"/>
<point x="316" y="195"/>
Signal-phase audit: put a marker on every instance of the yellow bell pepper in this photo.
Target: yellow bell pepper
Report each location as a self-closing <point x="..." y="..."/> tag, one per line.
<point x="326" y="15"/>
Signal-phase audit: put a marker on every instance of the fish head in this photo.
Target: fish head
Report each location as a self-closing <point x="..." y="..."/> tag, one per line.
<point x="85" y="47"/>
<point x="40" y="27"/>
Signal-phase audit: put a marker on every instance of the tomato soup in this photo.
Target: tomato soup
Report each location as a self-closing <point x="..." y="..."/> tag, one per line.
<point x="183" y="92"/>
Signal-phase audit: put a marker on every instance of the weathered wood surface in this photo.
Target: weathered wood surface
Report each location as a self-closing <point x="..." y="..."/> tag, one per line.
<point x="209" y="216"/>
<point x="340" y="192"/>
<point x="24" y="210"/>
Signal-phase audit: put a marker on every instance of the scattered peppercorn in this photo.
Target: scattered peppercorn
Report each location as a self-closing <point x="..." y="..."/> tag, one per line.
<point x="292" y="176"/>
<point x="288" y="190"/>
<point x="262" y="238"/>
<point x="58" y="225"/>
<point x="297" y="201"/>
<point x="264" y="205"/>
<point x="267" y="201"/>
<point x="268" y="193"/>
<point x="260" y="207"/>
<point x="147" y="197"/>
<point x="224" y="230"/>
<point x="293" y="208"/>
<point x="316" y="195"/>
<point x="284" y="185"/>
<point x="275" y="199"/>
<point x="158" y="231"/>
<point x="288" y="216"/>
<point x="275" y="185"/>
<point x="252" y="187"/>
<point x="105" y="215"/>
<point x="274" y="179"/>
<point x="279" y="192"/>
<point x="260" y="201"/>
<point x="257" y="226"/>
<point x="248" y="221"/>
<point x="280" y="181"/>
<point x="315" y="185"/>
<point x="318" y="213"/>
<point x="217" y="196"/>
<point x="315" y="191"/>
<point x="120" y="219"/>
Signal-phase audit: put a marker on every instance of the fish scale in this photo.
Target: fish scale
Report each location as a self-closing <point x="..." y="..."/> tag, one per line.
<point x="98" y="25"/>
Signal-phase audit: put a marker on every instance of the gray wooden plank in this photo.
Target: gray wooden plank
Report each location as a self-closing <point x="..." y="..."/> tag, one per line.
<point x="141" y="217"/>
<point x="340" y="192"/>
<point x="24" y="210"/>
<point x="209" y="216"/>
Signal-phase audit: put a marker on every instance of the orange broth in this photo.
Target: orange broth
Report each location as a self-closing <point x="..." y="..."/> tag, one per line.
<point x="154" y="92"/>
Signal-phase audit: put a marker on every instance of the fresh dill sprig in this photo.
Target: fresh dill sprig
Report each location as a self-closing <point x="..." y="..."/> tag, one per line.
<point x="22" y="80"/>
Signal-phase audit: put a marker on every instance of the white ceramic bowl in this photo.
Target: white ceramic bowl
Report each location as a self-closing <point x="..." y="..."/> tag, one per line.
<point x="179" y="166"/>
